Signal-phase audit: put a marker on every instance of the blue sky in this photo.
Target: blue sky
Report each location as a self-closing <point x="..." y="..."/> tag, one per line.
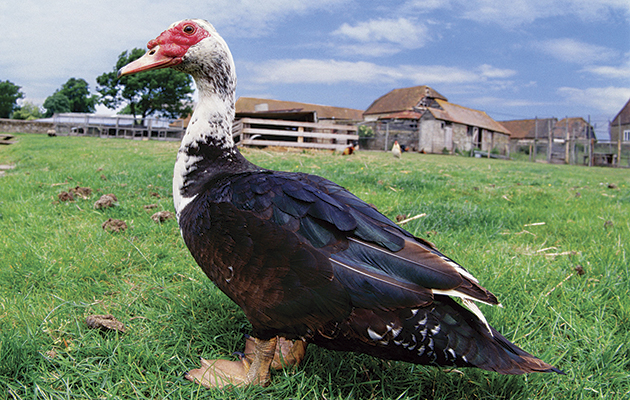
<point x="514" y="60"/>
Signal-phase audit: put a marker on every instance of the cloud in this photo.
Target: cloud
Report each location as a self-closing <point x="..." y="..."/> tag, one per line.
<point x="608" y="99"/>
<point x="520" y="12"/>
<point x="45" y="43"/>
<point x="574" y="51"/>
<point x="380" y="37"/>
<point x="488" y="71"/>
<point x="311" y="71"/>
<point x="611" y="72"/>
<point x="491" y="101"/>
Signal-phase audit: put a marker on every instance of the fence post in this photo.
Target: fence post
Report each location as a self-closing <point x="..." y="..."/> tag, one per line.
<point x="619" y="144"/>
<point x="549" y="141"/>
<point x="566" y="141"/>
<point x="535" y="141"/>
<point x="591" y="143"/>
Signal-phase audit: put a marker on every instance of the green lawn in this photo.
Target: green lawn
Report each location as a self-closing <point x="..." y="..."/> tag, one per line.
<point x="57" y="266"/>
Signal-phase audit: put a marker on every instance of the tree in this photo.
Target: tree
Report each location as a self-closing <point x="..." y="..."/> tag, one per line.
<point x="73" y="96"/>
<point x="164" y="91"/>
<point x="55" y="104"/>
<point x="27" y="111"/>
<point x="78" y="93"/>
<point x="9" y="95"/>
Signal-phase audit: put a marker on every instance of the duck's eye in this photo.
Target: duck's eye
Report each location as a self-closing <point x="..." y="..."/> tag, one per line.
<point x="189" y="29"/>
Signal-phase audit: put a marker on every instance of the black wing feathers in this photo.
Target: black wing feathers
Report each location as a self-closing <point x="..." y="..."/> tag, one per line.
<point x="383" y="265"/>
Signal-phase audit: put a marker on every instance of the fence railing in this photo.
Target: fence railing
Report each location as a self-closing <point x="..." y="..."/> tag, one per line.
<point x="267" y="132"/>
<point x="576" y="152"/>
<point x="127" y="127"/>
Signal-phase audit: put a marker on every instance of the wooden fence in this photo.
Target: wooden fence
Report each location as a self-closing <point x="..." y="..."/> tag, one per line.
<point x="268" y="132"/>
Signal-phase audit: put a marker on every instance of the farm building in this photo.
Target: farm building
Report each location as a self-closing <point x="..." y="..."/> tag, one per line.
<point x="525" y="131"/>
<point x="620" y="125"/>
<point x="422" y="119"/>
<point x="116" y="126"/>
<point x="250" y="105"/>
<point x="265" y="122"/>
<point x="570" y="138"/>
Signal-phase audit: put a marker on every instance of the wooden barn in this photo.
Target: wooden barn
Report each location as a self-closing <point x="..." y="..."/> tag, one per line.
<point x="422" y="119"/>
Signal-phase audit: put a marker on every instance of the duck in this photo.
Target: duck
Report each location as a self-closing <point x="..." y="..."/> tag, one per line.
<point x="306" y="260"/>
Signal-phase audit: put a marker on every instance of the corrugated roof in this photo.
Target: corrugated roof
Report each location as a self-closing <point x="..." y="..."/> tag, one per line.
<point x="402" y="100"/>
<point x="466" y="116"/>
<point x="248" y="105"/>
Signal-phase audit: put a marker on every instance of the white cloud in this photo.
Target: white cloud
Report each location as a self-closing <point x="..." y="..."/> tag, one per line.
<point x="611" y="72"/>
<point x="622" y="72"/>
<point x="311" y="71"/>
<point x="608" y="99"/>
<point x="575" y="51"/>
<point x="491" y="101"/>
<point x="401" y="31"/>
<point x="383" y="36"/>
<point x="44" y="43"/>
<point x="488" y="71"/>
<point x="425" y="5"/>
<point x="519" y="12"/>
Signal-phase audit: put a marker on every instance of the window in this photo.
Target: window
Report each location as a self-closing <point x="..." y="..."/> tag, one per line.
<point x="626" y="135"/>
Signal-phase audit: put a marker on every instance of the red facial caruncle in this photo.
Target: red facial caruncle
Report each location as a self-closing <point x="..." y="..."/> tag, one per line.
<point x="175" y="41"/>
<point x="167" y="49"/>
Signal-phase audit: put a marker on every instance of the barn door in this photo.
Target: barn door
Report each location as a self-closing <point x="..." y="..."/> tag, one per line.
<point x="448" y="138"/>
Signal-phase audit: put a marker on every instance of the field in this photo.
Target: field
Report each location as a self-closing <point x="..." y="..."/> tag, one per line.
<point x="551" y="241"/>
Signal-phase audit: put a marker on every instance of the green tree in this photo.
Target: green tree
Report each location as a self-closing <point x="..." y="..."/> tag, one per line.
<point x="78" y="93"/>
<point x="9" y="95"/>
<point x="164" y="91"/>
<point x="73" y="96"/>
<point x="27" y="111"/>
<point x="57" y="103"/>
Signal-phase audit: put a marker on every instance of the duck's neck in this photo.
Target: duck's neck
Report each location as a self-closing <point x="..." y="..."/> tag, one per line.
<point x="207" y="149"/>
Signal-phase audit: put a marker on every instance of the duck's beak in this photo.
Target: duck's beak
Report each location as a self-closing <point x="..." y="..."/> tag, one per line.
<point x="152" y="59"/>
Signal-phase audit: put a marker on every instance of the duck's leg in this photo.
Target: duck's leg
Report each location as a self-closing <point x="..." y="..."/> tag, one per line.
<point x="289" y="353"/>
<point x="219" y="373"/>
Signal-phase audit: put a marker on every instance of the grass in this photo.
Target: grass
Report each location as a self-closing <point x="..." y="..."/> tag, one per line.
<point x="57" y="265"/>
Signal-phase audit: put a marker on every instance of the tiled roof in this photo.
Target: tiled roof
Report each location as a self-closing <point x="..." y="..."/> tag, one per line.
<point x="575" y="126"/>
<point x="466" y="116"/>
<point x="526" y="128"/>
<point x="403" y="115"/>
<point x="401" y="100"/>
<point x="248" y="105"/>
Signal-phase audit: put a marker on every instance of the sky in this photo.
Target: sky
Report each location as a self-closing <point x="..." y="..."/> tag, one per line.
<point x="514" y="60"/>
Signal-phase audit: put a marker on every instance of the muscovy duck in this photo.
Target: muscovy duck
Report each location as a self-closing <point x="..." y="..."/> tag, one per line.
<point x="305" y="259"/>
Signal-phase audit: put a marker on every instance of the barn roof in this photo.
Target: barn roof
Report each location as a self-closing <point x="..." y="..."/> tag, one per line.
<point x="466" y="116"/>
<point x="575" y="125"/>
<point x="253" y="105"/>
<point x="623" y="116"/>
<point x="402" y="100"/>
<point x="526" y="128"/>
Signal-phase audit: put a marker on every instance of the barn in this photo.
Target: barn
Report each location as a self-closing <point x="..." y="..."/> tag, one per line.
<point x="423" y="120"/>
